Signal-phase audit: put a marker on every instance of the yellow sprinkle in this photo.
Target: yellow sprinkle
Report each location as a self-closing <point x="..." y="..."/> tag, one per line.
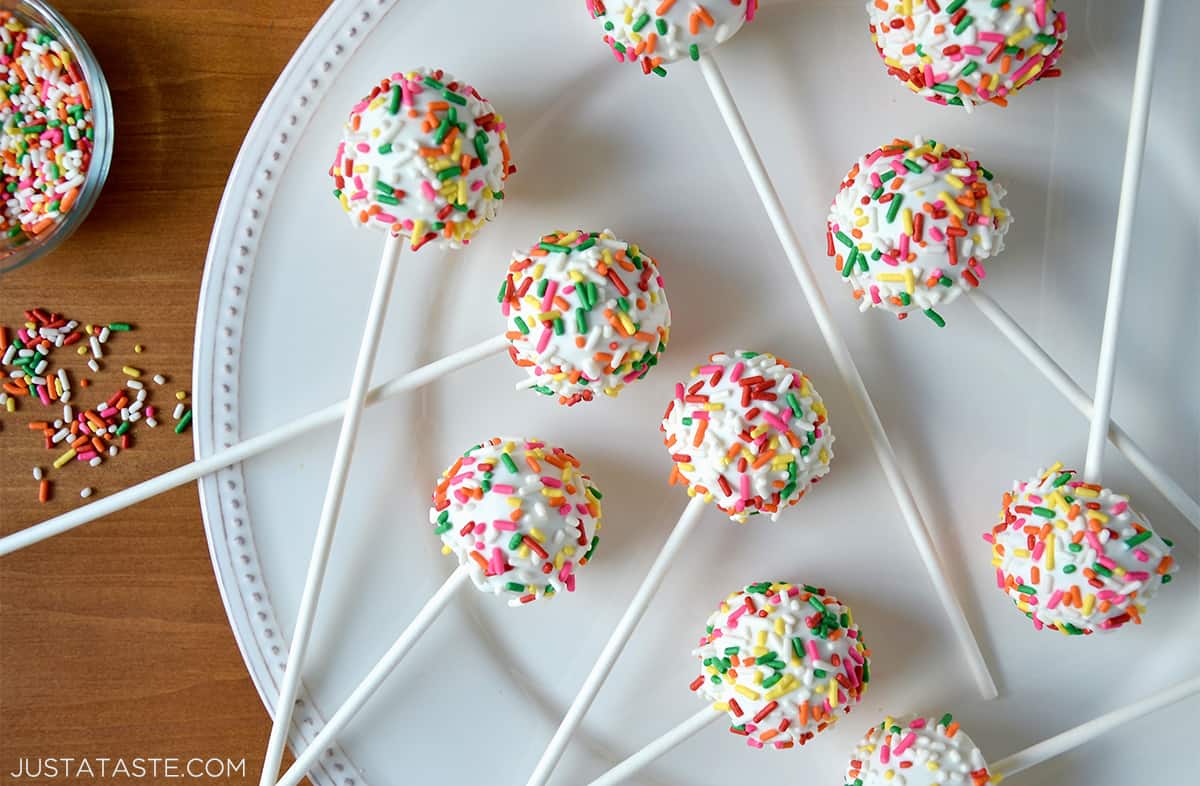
<point x="62" y="460"/>
<point x="907" y="219"/>
<point x="720" y="706"/>
<point x="747" y="692"/>
<point x="954" y="181"/>
<point x="951" y="205"/>
<point x="1089" y="601"/>
<point x="130" y="371"/>
<point x="1049" y="552"/>
<point x="1083" y="491"/>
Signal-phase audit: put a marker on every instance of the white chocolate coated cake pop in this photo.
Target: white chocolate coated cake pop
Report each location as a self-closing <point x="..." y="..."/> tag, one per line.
<point x="653" y="33"/>
<point x="784" y="660"/>
<point x="968" y="52"/>
<point x="1075" y="557"/>
<point x="916" y="751"/>
<point x="748" y="432"/>
<point x="912" y="224"/>
<point x="520" y="515"/>
<point x="587" y="314"/>
<point x="424" y="156"/>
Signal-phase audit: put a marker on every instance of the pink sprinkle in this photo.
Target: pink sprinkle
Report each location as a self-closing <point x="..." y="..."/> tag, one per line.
<point x="919" y="723"/>
<point x="566" y="570"/>
<point x="736" y="373"/>
<point x="1120" y="507"/>
<point x="544" y="340"/>
<point x="553" y="483"/>
<point x="885" y="754"/>
<point x="775" y="421"/>
<point x="1140" y="555"/>
<point x="905" y="743"/>
<point x="744" y="487"/>
<point x="810" y="647"/>
<point x="548" y="299"/>
<point x="427" y="191"/>
<point x="1055" y="598"/>
<point x="875" y="295"/>
<point x="504" y="525"/>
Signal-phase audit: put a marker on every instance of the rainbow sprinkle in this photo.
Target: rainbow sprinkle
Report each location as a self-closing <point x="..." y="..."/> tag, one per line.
<point x="911" y="225"/>
<point x="782" y="659"/>
<point x="586" y="312"/>
<point x="1076" y="557"/>
<point x="520" y="515"/>
<point x="46" y="146"/>
<point x="966" y="52"/>
<point x="654" y="32"/>
<point x="423" y="156"/>
<point x="749" y="432"/>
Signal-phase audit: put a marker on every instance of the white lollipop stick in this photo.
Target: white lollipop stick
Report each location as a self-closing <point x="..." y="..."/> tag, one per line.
<point x="1084" y="733"/>
<point x="322" y="543"/>
<point x="247" y="448"/>
<point x="660" y="746"/>
<point x="1079" y="399"/>
<point x="375" y="678"/>
<point x="1131" y="178"/>
<point x="616" y="642"/>
<point x="849" y="372"/>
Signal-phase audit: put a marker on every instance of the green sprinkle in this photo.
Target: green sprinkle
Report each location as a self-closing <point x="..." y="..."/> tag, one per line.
<point x="513" y="586"/>
<point x="694" y="51"/>
<point x="1044" y="512"/>
<point x="936" y="317"/>
<point x="640" y="22"/>
<point x="120" y="327"/>
<point x="481" y="140"/>
<point x="449" y="172"/>
<point x="180" y="427"/>
<point x="561" y="249"/>
<point x="1068" y="569"/>
<point x="509" y="464"/>
<point x="1141" y="537"/>
<point x="394" y="101"/>
<point x="454" y="97"/>
<point x="894" y="208"/>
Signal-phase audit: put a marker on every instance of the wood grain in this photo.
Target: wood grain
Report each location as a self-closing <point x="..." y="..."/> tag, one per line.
<point x="113" y="639"/>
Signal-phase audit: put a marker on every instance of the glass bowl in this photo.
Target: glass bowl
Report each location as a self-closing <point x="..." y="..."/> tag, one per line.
<point x="41" y="14"/>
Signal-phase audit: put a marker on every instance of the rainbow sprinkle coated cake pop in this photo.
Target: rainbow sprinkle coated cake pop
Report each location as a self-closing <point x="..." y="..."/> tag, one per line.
<point x="748" y="432"/>
<point x="519" y="514"/>
<point x="587" y="313"/>
<point x="915" y="751"/>
<point x="424" y="156"/>
<point x="782" y="660"/>
<point x="911" y="225"/>
<point x="653" y="32"/>
<point x="1074" y="556"/>
<point x="968" y="52"/>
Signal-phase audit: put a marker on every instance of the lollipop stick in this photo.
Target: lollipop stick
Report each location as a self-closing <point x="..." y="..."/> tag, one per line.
<point x="375" y="678"/>
<point x="1131" y="178"/>
<point x="616" y="643"/>
<point x="659" y="747"/>
<point x="1074" y="394"/>
<point x="849" y="372"/>
<point x="363" y="366"/>
<point x="245" y="449"/>
<point x="1073" y="738"/>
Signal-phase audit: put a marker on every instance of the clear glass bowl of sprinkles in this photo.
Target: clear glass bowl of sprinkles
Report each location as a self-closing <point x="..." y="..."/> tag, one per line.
<point x="56" y="133"/>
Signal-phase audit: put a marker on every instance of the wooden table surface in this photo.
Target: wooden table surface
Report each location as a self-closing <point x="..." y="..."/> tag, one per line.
<point x="113" y="639"/>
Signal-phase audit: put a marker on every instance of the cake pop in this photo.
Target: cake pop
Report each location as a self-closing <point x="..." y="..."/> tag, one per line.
<point x="783" y="660"/>
<point x="967" y="52"/>
<point x="911" y="225"/>
<point x="519" y="515"/>
<point x="424" y="156"/>
<point x="1075" y="557"/>
<point x="587" y="313"/>
<point x="652" y="33"/>
<point x="749" y="433"/>
<point x="916" y="751"/>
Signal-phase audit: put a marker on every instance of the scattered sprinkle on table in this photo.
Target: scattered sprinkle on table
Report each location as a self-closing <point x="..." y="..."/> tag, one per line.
<point x="75" y="431"/>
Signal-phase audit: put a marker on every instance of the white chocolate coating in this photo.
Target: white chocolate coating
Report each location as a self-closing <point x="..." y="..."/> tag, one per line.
<point x="587" y="314"/>
<point x="655" y="32"/>
<point x="520" y="514"/>
<point x="749" y="433"/>
<point x="1076" y="557"/>
<point x="912" y="224"/>
<point x="915" y="751"/>
<point x="423" y="156"/>
<point x="784" y="661"/>
<point x="967" y="52"/>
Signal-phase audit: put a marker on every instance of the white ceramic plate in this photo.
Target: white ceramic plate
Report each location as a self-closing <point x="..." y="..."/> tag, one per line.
<point x="599" y="146"/>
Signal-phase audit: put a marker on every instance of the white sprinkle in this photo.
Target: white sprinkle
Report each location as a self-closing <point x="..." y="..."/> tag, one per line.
<point x="68" y="413"/>
<point x="96" y="353"/>
<point x="12" y="350"/>
<point x="25" y="353"/>
<point x="159" y="379"/>
<point x="151" y="422"/>
<point x="38" y="380"/>
<point x="97" y="461"/>
<point x="62" y="377"/>
<point x="86" y="492"/>
<point x="41" y="366"/>
<point x="60" y="436"/>
<point x="94" y="366"/>
<point x="104" y="334"/>
<point x="65" y="397"/>
<point x="112" y="450"/>
<point x="37" y="473"/>
<point x="178" y="413"/>
<point x="134" y="384"/>
<point x="58" y="423"/>
<point x="135" y="406"/>
<point x="141" y="396"/>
